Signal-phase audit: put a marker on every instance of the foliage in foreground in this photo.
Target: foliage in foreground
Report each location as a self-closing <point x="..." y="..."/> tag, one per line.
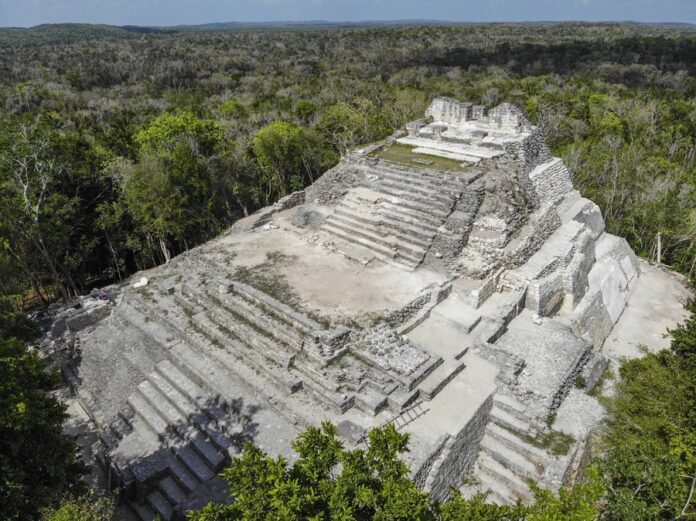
<point x="82" y="508"/>
<point x="37" y="462"/>
<point x="651" y="443"/>
<point x="328" y="482"/>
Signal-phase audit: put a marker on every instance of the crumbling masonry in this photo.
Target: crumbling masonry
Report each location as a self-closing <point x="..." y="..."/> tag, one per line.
<point x="459" y="293"/>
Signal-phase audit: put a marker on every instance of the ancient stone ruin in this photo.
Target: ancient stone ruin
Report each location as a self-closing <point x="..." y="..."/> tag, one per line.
<point x="449" y="280"/>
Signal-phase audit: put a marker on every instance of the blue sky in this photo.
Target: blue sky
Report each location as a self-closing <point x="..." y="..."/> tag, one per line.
<point x="26" y="13"/>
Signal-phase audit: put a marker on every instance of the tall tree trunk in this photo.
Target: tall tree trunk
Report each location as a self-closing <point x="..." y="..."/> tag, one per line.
<point x="165" y="251"/>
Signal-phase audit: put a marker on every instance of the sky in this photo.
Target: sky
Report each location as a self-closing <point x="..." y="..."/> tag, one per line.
<point x="26" y="13"/>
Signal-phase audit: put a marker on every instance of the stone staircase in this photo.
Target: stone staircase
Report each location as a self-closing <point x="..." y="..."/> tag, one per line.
<point x="507" y="461"/>
<point x="399" y="225"/>
<point x="169" y="443"/>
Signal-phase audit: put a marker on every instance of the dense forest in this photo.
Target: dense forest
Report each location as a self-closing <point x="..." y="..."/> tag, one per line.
<point x="121" y="147"/>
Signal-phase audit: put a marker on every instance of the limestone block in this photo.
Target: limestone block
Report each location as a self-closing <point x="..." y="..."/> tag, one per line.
<point x="575" y="282"/>
<point x="291" y="200"/>
<point x="551" y="180"/>
<point x="609" y="277"/>
<point x="545" y="295"/>
<point x="508" y="116"/>
<point x="591" y="319"/>
<point x="458" y="454"/>
<point x="593" y="370"/>
<point x="449" y="111"/>
<point x="591" y="215"/>
<point x="617" y="248"/>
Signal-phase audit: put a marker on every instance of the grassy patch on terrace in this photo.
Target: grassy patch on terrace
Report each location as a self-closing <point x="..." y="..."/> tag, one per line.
<point x="404" y="154"/>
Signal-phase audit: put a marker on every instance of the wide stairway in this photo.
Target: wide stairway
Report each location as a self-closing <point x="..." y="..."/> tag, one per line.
<point x="399" y="214"/>
<point x="507" y="461"/>
<point x="185" y="439"/>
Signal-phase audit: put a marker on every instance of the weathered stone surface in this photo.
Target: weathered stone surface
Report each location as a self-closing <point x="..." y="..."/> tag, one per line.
<point x="460" y="305"/>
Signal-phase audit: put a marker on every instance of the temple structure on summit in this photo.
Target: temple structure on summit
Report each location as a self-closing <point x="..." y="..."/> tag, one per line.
<point x="449" y="280"/>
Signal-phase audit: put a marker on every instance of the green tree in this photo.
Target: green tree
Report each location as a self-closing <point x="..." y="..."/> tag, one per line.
<point x="651" y="446"/>
<point x="83" y="508"/>
<point x="287" y="158"/>
<point x="167" y="131"/>
<point x="169" y="193"/>
<point x="326" y="482"/>
<point x="37" y="462"/>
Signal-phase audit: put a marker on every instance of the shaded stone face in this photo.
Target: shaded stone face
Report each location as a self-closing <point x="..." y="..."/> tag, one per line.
<point x="449" y="280"/>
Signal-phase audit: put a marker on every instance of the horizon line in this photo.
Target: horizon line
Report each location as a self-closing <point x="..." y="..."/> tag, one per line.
<point x="356" y="22"/>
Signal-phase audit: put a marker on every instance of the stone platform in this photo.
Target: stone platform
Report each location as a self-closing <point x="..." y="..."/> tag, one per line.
<point x="449" y="280"/>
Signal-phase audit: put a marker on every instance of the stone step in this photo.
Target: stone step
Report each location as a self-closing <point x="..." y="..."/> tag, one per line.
<point x="184" y="405"/>
<point x="465" y="158"/>
<point x="264" y="321"/>
<point x="227" y="329"/>
<point x="223" y="379"/>
<point x="567" y="202"/>
<point x="179" y="424"/>
<point x="398" y="211"/>
<point x="142" y="511"/>
<point x="396" y="216"/>
<point x="160" y="505"/>
<point x="370" y="232"/>
<point x="435" y="190"/>
<point x="390" y="242"/>
<point x="427" y="184"/>
<point x="205" y="409"/>
<point x="206" y="451"/>
<point x="496" y="491"/>
<point x="379" y="250"/>
<point x="514" y="442"/>
<point x="508" y="421"/>
<point x="384" y="208"/>
<point x="439" y="378"/>
<point x="434" y="199"/>
<point x="182" y="475"/>
<point x="161" y="404"/>
<point x="148" y="417"/>
<point x="228" y="322"/>
<point x="511" y="459"/>
<point x="572" y="210"/>
<point x="172" y="490"/>
<point x="405" y="201"/>
<point x="495" y="474"/>
<point x="421" y="174"/>
<point x="259" y="356"/>
<point x="298" y="321"/>
<point x="418" y="233"/>
<point x="511" y="406"/>
<point x="180" y="381"/>
<point x="193" y="462"/>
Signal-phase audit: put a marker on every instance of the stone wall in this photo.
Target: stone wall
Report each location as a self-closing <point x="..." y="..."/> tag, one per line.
<point x="591" y="320"/>
<point x="591" y="215"/>
<point x="541" y="226"/>
<point x="458" y="454"/>
<point x="385" y="348"/>
<point x="406" y="313"/>
<point x="551" y="180"/>
<point x="509" y="116"/>
<point x="421" y="476"/>
<point x="334" y="183"/>
<point x="449" y="111"/>
<point x="545" y="295"/>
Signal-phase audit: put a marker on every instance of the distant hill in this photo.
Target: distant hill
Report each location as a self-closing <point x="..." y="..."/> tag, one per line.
<point x="45" y="34"/>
